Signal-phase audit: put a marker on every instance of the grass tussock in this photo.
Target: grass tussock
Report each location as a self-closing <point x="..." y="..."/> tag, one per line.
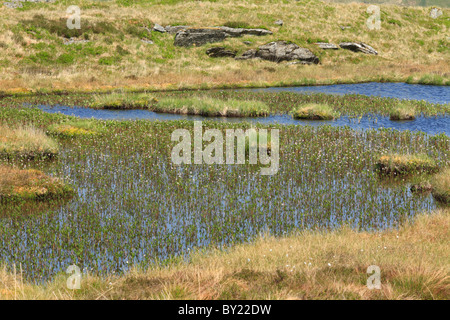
<point x="405" y="164"/>
<point x="314" y="111"/>
<point x="123" y="101"/>
<point x="26" y="142"/>
<point x="212" y="107"/>
<point x="74" y="129"/>
<point x="16" y="184"/>
<point x="441" y="186"/>
<point x="403" y="112"/>
<point x="310" y="265"/>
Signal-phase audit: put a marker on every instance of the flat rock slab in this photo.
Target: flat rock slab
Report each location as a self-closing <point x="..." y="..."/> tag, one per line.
<point x="159" y="28"/>
<point x="278" y="51"/>
<point x="217" y="52"/>
<point x="326" y="46"/>
<point x="199" y="36"/>
<point x="175" y="29"/>
<point x="358" y="47"/>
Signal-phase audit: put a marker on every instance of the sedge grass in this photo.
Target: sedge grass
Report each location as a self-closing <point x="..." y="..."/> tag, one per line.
<point x="212" y="107"/>
<point x="309" y="265"/>
<point x="441" y="186"/>
<point x="313" y="111"/>
<point x="122" y="101"/>
<point x="404" y="164"/>
<point x="403" y="112"/>
<point x="26" y="142"/>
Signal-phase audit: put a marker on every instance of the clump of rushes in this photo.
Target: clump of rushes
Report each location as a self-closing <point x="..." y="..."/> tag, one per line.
<point x="212" y="107"/>
<point x="403" y="164"/>
<point x="441" y="186"/>
<point x="75" y="129"/>
<point x="123" y="101"/>
<point x="403" y="112"/>
<point x="16" y="184"/>
<point x="26" y="142"/>
<point x="313" y="111"/>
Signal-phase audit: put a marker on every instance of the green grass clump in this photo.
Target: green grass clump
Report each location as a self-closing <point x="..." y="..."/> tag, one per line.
<point x="16" y="184"/>
<point x="441" y="186"/>
<point x="75" y="129"/>
<point x="403" y="112"/>
<point x="123" y="101"/>
<point x="313" y="111"/>
<point x="212" y="107"/>
<point x="403" y="164"/>
<point x="26" y="142"/>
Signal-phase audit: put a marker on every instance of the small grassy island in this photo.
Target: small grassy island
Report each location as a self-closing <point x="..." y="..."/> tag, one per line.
<point x="403" y="112"/>
<point x="78" y="128"/>
<point x="26" y="142"/>
<point x="30" y="184"/>
<point x="212" y="107"/>
<point x="314" y="111"/>
<point x="405" y="164"/>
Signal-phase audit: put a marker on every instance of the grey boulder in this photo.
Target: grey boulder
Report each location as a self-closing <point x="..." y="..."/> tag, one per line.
<point x="278" y="51"/>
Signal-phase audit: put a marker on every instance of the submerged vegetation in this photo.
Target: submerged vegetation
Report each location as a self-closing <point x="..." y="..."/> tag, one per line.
<point x="212" y="107"/>
<point x="308" y="265"/>
<point x="403" y="112"/>
<point x="26" y="142"/>
<point x="142" y="227"/>
<point x="314" y="111"/>
<point x="404" y="164"/>
<point x="136" y="208"/>
<point x="16" y="185"/>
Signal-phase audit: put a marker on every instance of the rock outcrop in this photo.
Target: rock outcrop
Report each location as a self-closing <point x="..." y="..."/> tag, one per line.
<point x="217" y="52"/>
<point x="199" y="36"/>
<point x="278" y="51"/>
<point x="175" y="29"/>
<point x="358" y="47"/>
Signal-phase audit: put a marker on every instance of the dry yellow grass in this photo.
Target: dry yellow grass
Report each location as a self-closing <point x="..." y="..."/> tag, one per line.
<point x="312" y="265"/>
<point x="410" y="44"/>
<point x="26" y="142"/>
<point x="441" y="186"/>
